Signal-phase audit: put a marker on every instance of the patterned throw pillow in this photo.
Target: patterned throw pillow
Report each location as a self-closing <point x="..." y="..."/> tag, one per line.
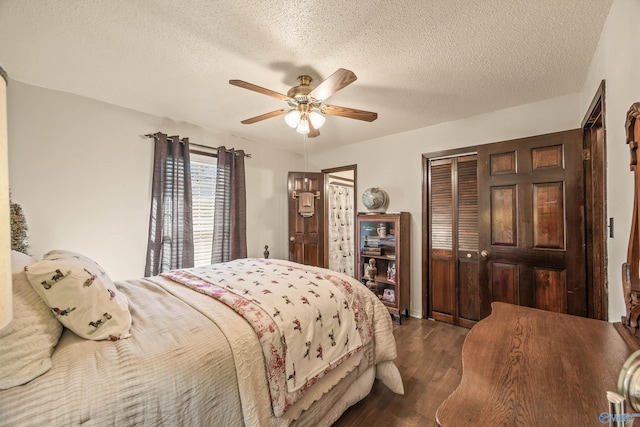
<point x="82" y="295"/>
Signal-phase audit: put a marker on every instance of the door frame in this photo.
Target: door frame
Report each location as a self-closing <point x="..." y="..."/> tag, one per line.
<point x="596" y="292"/>
<point x="594" y="137"/>
<point x="327" y="172"/>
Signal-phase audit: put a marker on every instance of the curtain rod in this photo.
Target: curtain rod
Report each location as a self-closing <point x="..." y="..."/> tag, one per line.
<point x="149" y="135"/>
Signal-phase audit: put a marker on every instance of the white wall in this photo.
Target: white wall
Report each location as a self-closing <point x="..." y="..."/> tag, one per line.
<point x="617" y="61"/>
<point x="82" y="174"/>
<point x="394" y="162"/>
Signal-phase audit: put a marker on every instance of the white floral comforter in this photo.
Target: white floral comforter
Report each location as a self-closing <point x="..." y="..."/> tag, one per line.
<point x="308" y="321"/>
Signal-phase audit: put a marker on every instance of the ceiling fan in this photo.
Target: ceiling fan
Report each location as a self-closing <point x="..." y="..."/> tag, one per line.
<point x="306" y="105"/>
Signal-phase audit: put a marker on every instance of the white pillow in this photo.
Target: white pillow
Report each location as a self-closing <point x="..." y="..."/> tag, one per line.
<point x="19" y="261"/>
<point x="82" y="295"/>
<point x="27" y="343"/>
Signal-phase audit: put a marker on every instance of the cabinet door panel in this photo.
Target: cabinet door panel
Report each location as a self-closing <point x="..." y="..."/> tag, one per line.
<point x="442" y="272"/>
<point x="550" y="289"/>
<point x="468" y="290"/>
<point x="504" y="282"/>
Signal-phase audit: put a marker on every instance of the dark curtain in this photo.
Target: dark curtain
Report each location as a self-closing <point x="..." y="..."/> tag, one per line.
<point x="230" y="217"/>
<point x="170" y="224"/>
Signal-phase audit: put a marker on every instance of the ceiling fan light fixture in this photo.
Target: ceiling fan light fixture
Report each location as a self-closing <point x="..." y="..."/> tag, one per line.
<point x="292" y="118"/>
<point x="306" y="112"/>
<point x="303" y="126"/>
<point x="317" y="119"/>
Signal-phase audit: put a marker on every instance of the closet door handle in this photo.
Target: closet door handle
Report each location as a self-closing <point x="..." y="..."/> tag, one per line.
<point x="292" y="239"/>
<point x="484" y="253"/>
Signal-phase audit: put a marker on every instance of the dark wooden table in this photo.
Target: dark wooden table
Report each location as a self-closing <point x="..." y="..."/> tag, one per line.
<point x="529" y="367"/>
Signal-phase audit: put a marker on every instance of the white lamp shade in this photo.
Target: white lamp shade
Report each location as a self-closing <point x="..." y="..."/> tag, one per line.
<point x="6" y="303"/>
<point x="317" y="119"/>
<point x="303" y="126"/>
<point x="292" y="118"/>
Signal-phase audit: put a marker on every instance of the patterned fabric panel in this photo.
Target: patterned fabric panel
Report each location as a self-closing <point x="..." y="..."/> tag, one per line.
<point x="341" y="229"/>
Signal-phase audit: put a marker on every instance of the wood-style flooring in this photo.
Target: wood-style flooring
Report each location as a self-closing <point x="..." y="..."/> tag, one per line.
<point x="430" y="362"/>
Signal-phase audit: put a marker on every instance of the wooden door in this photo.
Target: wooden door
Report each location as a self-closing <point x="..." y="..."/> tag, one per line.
<point x="530" y="198"/>
<point x="453" y="240"/>
<point x="306" y="233"/>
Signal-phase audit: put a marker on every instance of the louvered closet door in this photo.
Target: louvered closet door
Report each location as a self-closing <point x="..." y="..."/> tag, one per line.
<point x="441" y="261"/>
<point x="454" y="294"/>
<point x="469" y="295"/>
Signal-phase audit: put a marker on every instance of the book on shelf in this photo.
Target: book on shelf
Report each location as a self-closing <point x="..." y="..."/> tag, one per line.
<point x="378" y="238"/>
<point x="372" y="241"/>
<point x="372" y="250"/>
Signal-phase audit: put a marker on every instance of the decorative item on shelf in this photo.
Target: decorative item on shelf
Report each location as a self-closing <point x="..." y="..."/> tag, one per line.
<point x="375" y="199"/>
<point x="389" y="295"/>
<point x="382" y="230"/>
<point x="371" y="271"/>
<point x="266" y="251"/>
<point x="391" y="271"/>
<point x="370" y="274"/>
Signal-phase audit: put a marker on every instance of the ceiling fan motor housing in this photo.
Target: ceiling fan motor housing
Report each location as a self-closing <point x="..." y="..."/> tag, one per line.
<point x="301" y="92"/>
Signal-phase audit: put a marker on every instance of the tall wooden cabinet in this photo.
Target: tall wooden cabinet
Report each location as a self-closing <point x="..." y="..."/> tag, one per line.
<point x="385" y="238"/>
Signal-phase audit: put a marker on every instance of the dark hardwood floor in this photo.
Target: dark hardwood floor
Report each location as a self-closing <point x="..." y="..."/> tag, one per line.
<point x="429" y="360"/>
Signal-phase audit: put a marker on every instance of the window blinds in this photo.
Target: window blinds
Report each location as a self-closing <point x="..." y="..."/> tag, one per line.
<point x="203" y="188"/>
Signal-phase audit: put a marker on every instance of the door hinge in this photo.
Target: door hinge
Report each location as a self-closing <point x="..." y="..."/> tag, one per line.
<point x="586" y="154"/>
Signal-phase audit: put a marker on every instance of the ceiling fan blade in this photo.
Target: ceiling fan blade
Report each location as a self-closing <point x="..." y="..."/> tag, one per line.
<point x="264" y="116"/>
<point x="351" y="113"/>
<point x="336" y="81"/>
<point x="255" y="88"/>
<point x="313" y="132"/>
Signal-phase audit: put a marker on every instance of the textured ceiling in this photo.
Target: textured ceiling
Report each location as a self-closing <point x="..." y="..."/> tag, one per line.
<point x="418" y="62"/>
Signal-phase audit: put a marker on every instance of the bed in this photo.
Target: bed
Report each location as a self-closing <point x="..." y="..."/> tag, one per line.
<point x="191" y="358"/>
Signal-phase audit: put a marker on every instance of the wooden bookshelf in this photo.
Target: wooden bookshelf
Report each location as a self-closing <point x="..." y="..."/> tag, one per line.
<point x="385" y="238"/>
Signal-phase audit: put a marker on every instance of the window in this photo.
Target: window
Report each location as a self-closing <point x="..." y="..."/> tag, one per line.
<point x="203" y="189"/>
